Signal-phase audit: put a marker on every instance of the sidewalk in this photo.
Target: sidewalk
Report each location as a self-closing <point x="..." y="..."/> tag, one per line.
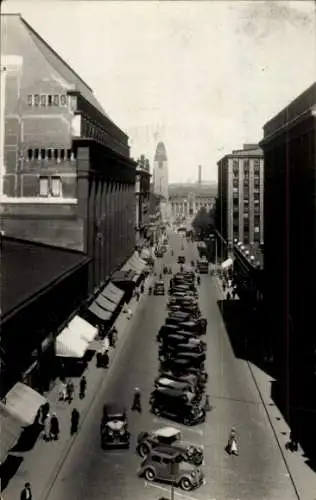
<point x="302" y="476"/>
<point x="42" y="463"/>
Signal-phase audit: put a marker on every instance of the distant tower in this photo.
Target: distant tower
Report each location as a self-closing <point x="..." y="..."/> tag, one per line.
<point x="199" y="174"/>
<point x="160" y="173"/>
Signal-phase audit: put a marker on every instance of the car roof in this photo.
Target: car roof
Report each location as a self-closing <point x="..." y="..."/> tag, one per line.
<point x="166" y="391"/>
<point x="170" y="383"/>
<point x="167" y="431"/>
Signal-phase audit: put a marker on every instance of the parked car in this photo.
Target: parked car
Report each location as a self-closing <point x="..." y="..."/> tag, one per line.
<point x="195" y="380"/>
<point x="177" y="405"/>
<point x="114" y="427"/>
<point x="180" y="342"/>
<point x="196" y="359"/>
<point x="181" y="259"/>
<point x="159" y="288"/>
<point x="169" y="437"/>
<point x="175" y="385"/>
<point x="167" y="465"/>
<point x="181" y="365"/>
<point x="198" y="326"/>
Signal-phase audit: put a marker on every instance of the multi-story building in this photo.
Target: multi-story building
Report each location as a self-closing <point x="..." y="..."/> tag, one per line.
<point x="240" y="195"/>
<point x="142" y="191"/>
<point x="66" y="178"/>
<point x="185" y="200"/>
<point x="290" y="249"/>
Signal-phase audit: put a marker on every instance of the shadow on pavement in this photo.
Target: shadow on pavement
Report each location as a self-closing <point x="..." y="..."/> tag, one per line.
<point x="249" y="341"/>
<point x="8" y="469"/>
<point x="28" y="438"/>
<point x="246" y="334"/>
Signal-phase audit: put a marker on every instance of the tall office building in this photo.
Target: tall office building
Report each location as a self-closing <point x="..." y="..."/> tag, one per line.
<point x="290" y="249"/>
<point x="160" y="173"/>
<point x="240" y="195"/>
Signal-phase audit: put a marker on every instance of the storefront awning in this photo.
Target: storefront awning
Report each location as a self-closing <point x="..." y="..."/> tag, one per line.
<point x="113" y="293"/>
<point x="135" y="263"/>
<point x="82" y="329"/>
<point x="70" y="345"/>
<point x="23" y="403"/>
<point x="99" y="312"/>
<point x="11" y="429"/>
<point x="227" y="263"/>
<point x="105" y="303"/>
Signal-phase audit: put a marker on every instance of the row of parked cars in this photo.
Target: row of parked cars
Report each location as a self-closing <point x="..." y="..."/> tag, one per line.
<point x="179" y="390"/>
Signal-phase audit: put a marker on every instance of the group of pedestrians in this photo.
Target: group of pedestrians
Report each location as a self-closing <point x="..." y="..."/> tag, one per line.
<point x="50" y="423"/>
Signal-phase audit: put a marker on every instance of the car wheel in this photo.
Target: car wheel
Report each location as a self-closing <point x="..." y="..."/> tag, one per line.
<point x="149" y="474"/>
<point x="197" y="460"/>
<point x="185" y="484"/>
<point x="143" y="450"/>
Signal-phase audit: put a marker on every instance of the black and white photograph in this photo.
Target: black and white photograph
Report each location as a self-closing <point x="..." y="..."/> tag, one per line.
<point x="158" y="249"/>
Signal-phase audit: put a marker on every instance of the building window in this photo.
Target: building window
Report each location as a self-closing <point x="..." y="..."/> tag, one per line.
<point x="49" y="100"/>
<point x="246" y="208"/>
<point x="43" y="154"/>
<point x="246" y="215"/>
<point x="30" y="100"/>
<point x="246" y="165"/>
<point x="235" y="183"/>
<point x="63" y="100"/>
<point x="56" y="100"/>
<point x="256" y="164"/>
<point x="36" y="100"/>
<point x="235" y="202"/>
<point x="43" y="100"/>
<point x="256" y="229"/>
<point x="256" y="220"/>
<point x="256" y="196"/>
<point x="256" y="237"/>
<point x="30" y="154"/>
<point x="56" y="186"/>
<point x="235" y="165"/>
<point x="43" y="186"/>
<point x="235" y="189"/>
<point x="246" y="182"/>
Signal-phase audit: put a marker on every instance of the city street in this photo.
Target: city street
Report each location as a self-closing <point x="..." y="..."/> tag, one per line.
<point x="258" y="473"/>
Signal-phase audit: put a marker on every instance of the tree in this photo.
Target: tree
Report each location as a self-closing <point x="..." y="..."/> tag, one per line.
<point x="203" y="222"/>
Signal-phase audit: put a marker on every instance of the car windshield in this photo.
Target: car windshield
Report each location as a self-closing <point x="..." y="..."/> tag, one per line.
<point x="117" y="416"/>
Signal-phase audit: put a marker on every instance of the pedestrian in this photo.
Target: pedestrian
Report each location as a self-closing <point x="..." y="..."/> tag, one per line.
<point x="26" y="493"/>
<point x="207" y="406"/>
<point x="82" y="387"/>
<point x="46" y="430"/>
<point x="142" y="288"/>
<point x="228" y="296"/>
<point x="75" y="416"/>
<point x="224" y="286"/>
<point x="70" y="389"/>
<point x="136" y="406"/>
<point x="54" y="427"/>
<point x="62" y="395"/>
<point x="137" y="295"/>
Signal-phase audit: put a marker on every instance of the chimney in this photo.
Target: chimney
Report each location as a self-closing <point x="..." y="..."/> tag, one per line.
<point x="199" y="174"/>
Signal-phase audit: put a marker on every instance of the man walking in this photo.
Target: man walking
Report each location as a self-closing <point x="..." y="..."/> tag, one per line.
<point x="26" y="493"/>
<point x="54" y="427"/>
<point x="82" y="387"/>
<point x="75" y="416"/>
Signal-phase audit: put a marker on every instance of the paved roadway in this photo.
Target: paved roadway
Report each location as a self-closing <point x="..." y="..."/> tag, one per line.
<point x="258" y="473"/>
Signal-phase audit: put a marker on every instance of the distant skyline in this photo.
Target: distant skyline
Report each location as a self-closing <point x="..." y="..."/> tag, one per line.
<point x="202" y="77"/>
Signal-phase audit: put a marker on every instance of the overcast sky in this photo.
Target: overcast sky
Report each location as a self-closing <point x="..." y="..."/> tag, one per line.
<point x="203" y="77"/>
